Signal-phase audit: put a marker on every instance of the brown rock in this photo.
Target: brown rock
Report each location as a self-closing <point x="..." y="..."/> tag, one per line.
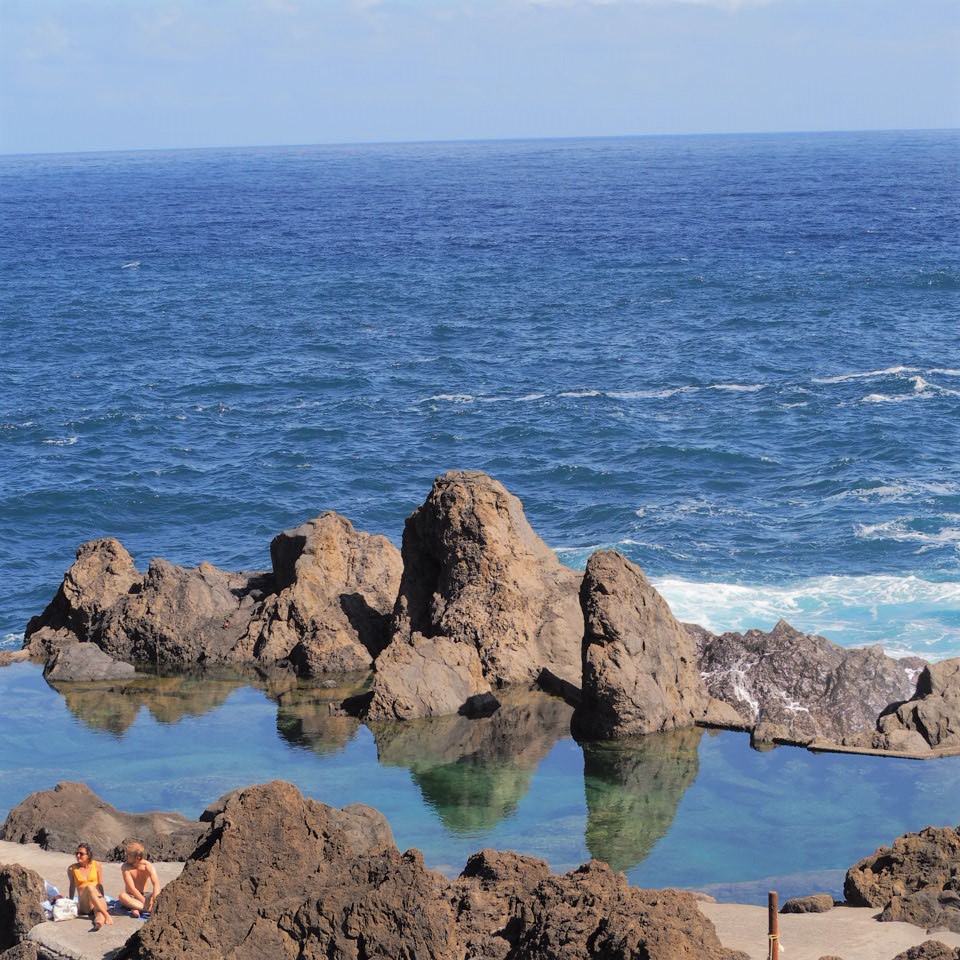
<point x="929" y="909"/>
<point x="27" y="950"/>
<point x="336" y="588"/>
<point x="61" y="818"/>
<point x="428" y="678"/>
<point x="85" y="662"/>
<point x="802" y="686"/>
<point x="22" y="893"/>
<point x="639" y="664"/>
<point x="475" y="573"/>
<point x="930" y="950"/>
<point x="934" y="711"/>
<point x="815" y="903"/>
<point x="280" y="876"/>
<point x="13" y="656"/>
<point x="916" y="861"/>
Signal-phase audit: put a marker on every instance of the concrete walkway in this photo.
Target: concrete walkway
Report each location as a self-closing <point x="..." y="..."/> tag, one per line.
<point x="852" y="933"/>
<point x="76" y="939"/>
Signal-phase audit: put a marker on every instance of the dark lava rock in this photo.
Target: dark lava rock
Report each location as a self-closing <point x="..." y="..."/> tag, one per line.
<point x="325" y="607"/>
<point x="639" y="664"/>
<point x="61" y="818"/>
<point x="802" y="686"/>
<point x="816" y="903"/>
<point x="22" y="893"/>
<point x="930" y="950"/>
<point x="281" y="876"/>
<point x="85" y="662"/>
<point x="929" y="909"/>
<point x="27" y="950"/>
<point x="934" y="711"/>
<point x="474" y="572"/>
<point x="928" y="860"/>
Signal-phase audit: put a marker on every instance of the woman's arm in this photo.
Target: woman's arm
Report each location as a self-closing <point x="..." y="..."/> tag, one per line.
<point x="73" y="886"/>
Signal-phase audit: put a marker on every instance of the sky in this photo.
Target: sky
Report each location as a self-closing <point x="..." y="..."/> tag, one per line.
<point x="78" y="75"/>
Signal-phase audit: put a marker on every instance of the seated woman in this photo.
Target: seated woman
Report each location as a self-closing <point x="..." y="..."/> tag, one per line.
<point x="86" y="882"/>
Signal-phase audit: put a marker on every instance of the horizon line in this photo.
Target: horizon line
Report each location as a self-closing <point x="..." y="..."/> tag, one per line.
<point x="478" y="140"/>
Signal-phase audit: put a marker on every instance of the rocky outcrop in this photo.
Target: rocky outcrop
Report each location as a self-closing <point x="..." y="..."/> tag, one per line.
<point x="815" y="903"/>
<point x="475" y="573"/>
<point x="933" y="713"/>
<point x="353" y="894"/>
<point x="802" y="687"/>
<point x="85" y="662"/>
<point x="428" y="677"/>
<point x="325" y="606"/>
<point x="917" y="880"/>
<point x="13" y="656"/>
<point x="22" y="893"/>
<point x="336" y="588"/>
<point x="930" y="950"/>
<point x="639" y="665"/>
<point x="27" y="950"/>
<point x="61" y="818"/>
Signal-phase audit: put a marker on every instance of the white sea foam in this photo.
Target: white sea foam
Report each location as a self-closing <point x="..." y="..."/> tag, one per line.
<point x="898" y="490"/>
<point x="580" y="393"/>
<point x="62" y="442"/>
<point x="11" y="641"/>
<point x="944" y="372"/>
<point x="908" y="615"/>
<point x="132" y="265"/>
<point x="899" y="531"/>
<point x="866" y="374"/>
<point x="738" y="387"/>
<point x="449" y="398"/>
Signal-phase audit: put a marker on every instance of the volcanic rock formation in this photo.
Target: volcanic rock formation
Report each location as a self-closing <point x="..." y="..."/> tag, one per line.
<point x="916" y="880"/>
<point x="61" y="818"/>
<point x="475" y="574"/>
<point x="85" y="662"/>
<point x="639" y="664"/>
<point x="325" y="606"/>
<point x="22" y="893"/>
<point x="934" y="711"/>
<point x="353" y="894"/>
<point x="802" y="687"/>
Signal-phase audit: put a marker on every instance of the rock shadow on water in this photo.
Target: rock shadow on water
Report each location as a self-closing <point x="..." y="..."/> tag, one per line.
<point x="634" y="787"/>
<point x="475" y="771"/>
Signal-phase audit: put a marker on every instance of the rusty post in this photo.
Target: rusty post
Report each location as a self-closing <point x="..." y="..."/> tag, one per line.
<point x="773" y="925"/>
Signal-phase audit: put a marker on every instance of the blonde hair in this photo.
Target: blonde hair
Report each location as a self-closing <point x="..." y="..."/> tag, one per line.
<point x="135" y="848"/>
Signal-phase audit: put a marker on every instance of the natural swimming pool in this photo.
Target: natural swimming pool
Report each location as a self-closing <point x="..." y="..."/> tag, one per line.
<point x="692" y="808"/>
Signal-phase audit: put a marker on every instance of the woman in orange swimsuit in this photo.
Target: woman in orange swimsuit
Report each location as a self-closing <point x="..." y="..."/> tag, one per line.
<point x="86" y="881"/>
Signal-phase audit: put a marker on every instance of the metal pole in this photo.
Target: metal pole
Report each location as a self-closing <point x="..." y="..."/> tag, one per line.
<point x="773" y="925"/>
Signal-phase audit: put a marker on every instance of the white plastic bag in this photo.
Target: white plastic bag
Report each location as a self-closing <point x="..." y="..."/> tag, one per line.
<point x="65" y="909"/>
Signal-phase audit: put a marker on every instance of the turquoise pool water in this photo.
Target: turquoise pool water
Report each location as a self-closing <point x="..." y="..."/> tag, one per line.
<point x="690" y="809"/>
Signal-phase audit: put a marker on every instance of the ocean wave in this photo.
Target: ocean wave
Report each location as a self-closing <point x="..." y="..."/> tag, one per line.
<point x="576" y="394"/>
<point x="922" y="390"/>
<point x="898" y="490"/>
<point x="738" y="387"/>
<point x="900" y="531"/>
<point x="866" y="374"/>
<point x="907" y="615"/>
<point x="11" y="641"/>
<point x="944" y="372"/>
<point x="62" y="442"/>
<point x="450" y="398"/>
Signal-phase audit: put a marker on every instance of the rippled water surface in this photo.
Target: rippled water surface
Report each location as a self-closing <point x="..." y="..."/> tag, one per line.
<point x="689" y="809"/>
<point x="735" y="358"/>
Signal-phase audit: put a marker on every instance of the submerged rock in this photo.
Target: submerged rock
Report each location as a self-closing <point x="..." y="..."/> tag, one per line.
<point x="330" y="883"/>
<point x="802" y="687"/>
<point x="475" y="573"/>
<point x="639" y="665"/>
<point x="22" y="893"/>
<point x="61" y="818"/>
<point x="85" y="662"/>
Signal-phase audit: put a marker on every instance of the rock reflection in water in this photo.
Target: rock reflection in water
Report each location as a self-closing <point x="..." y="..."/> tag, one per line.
<point x="633" y="790"/>
<point x="112" y="706"/>
<point x="474" y="772"/>
<point x="311" y="717"/>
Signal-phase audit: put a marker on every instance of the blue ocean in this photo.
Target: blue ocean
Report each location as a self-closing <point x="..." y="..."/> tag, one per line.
<point x="733" y="358"/>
